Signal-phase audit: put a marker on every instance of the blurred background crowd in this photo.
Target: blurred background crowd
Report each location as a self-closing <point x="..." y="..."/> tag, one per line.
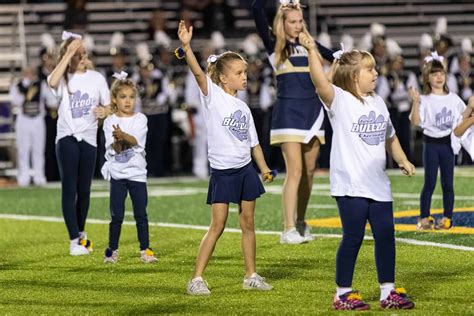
<point x="139" y="37"/>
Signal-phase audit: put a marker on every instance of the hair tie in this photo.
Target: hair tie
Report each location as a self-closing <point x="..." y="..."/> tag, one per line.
<point x="434" y="56"/>
<point x="212" y="58"/>
<point x="179" y="53"/>
<point x="120" y="76"/>
<point x="67" y="35"/>
<point x="337" y="55"/>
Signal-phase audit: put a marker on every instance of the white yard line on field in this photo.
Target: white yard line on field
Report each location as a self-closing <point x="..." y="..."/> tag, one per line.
<point x="330" y="207"/>
<point x="232" y="230"/>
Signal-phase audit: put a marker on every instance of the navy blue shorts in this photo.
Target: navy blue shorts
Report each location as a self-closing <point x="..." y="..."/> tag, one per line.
<point x="234" y="185"/>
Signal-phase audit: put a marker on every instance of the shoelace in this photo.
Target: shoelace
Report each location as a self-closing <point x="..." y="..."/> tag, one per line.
<point x="354" y="296"/>
<point x="353" y="299"/>
<point x="201" y="285"/>
<point x="399" y="299"/>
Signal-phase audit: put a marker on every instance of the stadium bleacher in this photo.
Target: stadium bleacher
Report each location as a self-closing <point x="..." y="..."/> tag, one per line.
<point x="405" y="21"/>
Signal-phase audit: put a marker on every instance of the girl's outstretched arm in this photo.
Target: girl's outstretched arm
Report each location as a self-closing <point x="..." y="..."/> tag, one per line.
<point x="58" y="72"/>
<point x="185" y="36"/>
<point x="259" y="15"/>
<point x="323" y="86"/>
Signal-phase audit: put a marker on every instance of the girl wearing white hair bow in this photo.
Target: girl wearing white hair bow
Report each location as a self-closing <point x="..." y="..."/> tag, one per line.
<point x="232" y="143"/>
<point x="437" y="111"/>
<point x="83" y="97"/>
<point x="125" y="167"/>
<point x="298" y="116"/>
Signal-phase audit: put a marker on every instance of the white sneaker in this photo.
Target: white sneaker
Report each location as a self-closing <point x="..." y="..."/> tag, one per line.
<point x="111" y="256"/>
<point x="198" y="286"/>
<point x="292" y="237"/>
<point x="256" y="282"/>
<point x="76" y="249"/>
<point x="147" y="256"/>
<point x="304" y="230"/>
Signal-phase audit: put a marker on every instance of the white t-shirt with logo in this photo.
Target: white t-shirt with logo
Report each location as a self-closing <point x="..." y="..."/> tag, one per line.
<point x="358" y="155"/>
<point x="78" y="100"/>
<point x="130" y="164"/>
<point x="230" y="128"/>
<point x="440" y="113"/>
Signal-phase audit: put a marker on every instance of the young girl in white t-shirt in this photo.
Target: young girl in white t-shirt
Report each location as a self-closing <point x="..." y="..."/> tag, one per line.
<point x="232" y="142"/>
<point x="437" y="112"/>
<point x="363" y="133"/>
<point x="83" y="96"/>
<point x="125" y="167"/>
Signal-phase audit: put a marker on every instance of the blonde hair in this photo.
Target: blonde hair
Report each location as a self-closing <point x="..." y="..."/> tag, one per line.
<point x="346" y="69"/>
<point x="219" y="66"/>
<point x="62" y="51"/>
<point x="281" y="49"/>
<point x="118" y="85"/>
<point x="429" y="68"/>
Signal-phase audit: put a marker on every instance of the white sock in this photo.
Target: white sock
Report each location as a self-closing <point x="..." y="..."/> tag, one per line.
<point x="75" y="241"/>
<point x="385" y="289"/>
<point x="342" y="290"/>
<point x="197" y="279"/>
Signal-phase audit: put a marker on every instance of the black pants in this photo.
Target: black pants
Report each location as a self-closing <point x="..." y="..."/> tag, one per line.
<point x="354" y="213"/>
<point x="76" y="162"/>
<point x="139" y="196"/>
<point x="438" y="156"/>
<point x="156" y="144"/>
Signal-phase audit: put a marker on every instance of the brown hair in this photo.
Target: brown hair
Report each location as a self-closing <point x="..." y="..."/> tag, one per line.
<point x="118" y="85"/>
<point x="281" y="49"/>
<point x="430" y="68"/>
<point x="346" y="68"/>
<point x="62" y="51"/>
<point x="219" y="67"/>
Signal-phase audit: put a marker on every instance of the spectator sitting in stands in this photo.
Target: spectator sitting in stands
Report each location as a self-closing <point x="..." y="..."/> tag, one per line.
<point x="119" y="57"/>
<point x="156" y="29"/>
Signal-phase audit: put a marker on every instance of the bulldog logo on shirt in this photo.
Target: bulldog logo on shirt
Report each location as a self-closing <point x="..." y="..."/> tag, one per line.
<point x="125" y="156"/>
<point x="80" y="104"/>
<point x="371" y="129"/>
<point x="238" y="125"/>
<point x="444" y="119"/>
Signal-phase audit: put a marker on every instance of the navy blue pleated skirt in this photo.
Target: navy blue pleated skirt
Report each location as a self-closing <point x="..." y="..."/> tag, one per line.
<point x="234" y="185"/>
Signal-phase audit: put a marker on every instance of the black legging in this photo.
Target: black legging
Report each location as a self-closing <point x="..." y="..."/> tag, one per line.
<point x="139" y="196"/>
<point x="354" y="213"/>
<point x="76" y="161"/>
<point x="438" y="156"/>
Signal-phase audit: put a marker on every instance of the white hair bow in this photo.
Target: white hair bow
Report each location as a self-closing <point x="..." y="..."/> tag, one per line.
<point x="289" y="2"/>
<point x="338" y="54"/>
<point x="67" y="35"/>
<point x="434" y="56"/>
<point x="212" y="58"/>
<point x="120" y="76"/>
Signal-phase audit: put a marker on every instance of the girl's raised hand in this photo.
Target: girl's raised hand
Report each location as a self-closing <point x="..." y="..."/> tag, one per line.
<point x="414" y="94"/>
<point x="306" y="41"/>
<point x="184" y="34"/>
<point x="117" y="133"/>
<point x="74" y="46"/>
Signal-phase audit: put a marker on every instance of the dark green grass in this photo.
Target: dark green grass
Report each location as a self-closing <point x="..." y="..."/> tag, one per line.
<point x="192" y="209"/>
<point x="38" y="277"/>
